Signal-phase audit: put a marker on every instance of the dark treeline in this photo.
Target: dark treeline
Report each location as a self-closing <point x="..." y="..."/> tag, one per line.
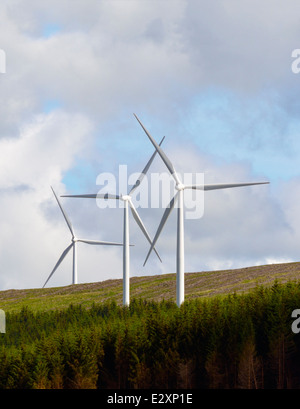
<point x="237" y="341"/>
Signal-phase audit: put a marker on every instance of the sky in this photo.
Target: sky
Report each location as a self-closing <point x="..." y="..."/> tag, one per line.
<point x="215" y="78"/>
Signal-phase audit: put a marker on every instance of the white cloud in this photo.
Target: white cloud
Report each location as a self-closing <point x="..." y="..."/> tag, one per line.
<point x="29" y="164"/>
<point x="45" y="149"/>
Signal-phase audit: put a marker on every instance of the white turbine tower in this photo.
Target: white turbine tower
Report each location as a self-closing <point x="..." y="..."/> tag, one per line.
<point x="73" y="245"/>
<point x="127" y="201"/>
<point x="180" y="187"/>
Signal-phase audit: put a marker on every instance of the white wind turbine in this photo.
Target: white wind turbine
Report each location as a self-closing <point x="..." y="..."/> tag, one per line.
<point x="127" y="201"/>
<point x="73" y="245"/>
<point x="180" y="187"/>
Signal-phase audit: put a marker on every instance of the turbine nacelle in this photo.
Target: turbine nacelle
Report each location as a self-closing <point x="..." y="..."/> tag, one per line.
<point x="126" y="198"/>
<point x="180" y="186"/>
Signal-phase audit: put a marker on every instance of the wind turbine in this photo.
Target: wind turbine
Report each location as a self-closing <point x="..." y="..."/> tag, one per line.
<point x="127" y="203"/>
<point x="180" y="187"/>
<point x="73" y="245"/>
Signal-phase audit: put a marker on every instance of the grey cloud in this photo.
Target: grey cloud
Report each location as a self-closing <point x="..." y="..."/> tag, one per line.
<point x="244" y="45"/>
<point x="155" y="30"/>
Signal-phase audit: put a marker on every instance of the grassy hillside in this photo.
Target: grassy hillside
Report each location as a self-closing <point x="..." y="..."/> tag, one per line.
<point x="157" y="288"/>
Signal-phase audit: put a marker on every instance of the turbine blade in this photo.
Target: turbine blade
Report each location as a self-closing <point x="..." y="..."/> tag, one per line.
<point x="108" y="243"/>
<point x="162" y="154"/>
<point x="141" y="225"/>
<point x="145" y="170"/>
<point x="223" y="185"/>
<point x="64" y="214"/>
<point x="65" y="252"/>
<point x="95" y="196"/>
<point x="162" y="223"/>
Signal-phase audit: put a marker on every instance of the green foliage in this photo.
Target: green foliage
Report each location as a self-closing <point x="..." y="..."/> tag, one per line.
<point x="237" y="341"/>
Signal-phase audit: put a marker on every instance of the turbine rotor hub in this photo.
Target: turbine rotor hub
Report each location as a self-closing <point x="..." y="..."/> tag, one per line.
<point x="180" y="186"/>
<point x="126" y="197"/>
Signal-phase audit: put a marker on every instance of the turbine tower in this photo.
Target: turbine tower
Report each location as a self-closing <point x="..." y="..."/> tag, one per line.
<point x="74" y="245"/>
<point x="180" y="187"/>
<point x="127" y="203"/>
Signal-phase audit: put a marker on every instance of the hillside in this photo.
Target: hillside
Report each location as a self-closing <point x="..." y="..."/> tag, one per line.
<point x="157" y="287"/>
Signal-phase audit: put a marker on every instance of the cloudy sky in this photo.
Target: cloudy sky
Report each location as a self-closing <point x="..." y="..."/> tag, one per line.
<point x="215" y="78"/>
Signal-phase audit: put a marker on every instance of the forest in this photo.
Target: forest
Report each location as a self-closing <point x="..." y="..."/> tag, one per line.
<point x="227" y="342"/>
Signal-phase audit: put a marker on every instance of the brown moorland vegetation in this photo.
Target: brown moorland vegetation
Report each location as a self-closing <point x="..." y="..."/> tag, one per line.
<point x="155" y="288"/>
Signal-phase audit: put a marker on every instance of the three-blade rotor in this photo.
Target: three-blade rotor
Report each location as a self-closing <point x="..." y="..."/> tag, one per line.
<point x="181" y="187"/>
<point x="127" y="198"/>
<point x="74" y="240"/>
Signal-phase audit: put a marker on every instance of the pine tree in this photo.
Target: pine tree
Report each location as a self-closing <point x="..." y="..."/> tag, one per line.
<point x="250" y="367"/>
